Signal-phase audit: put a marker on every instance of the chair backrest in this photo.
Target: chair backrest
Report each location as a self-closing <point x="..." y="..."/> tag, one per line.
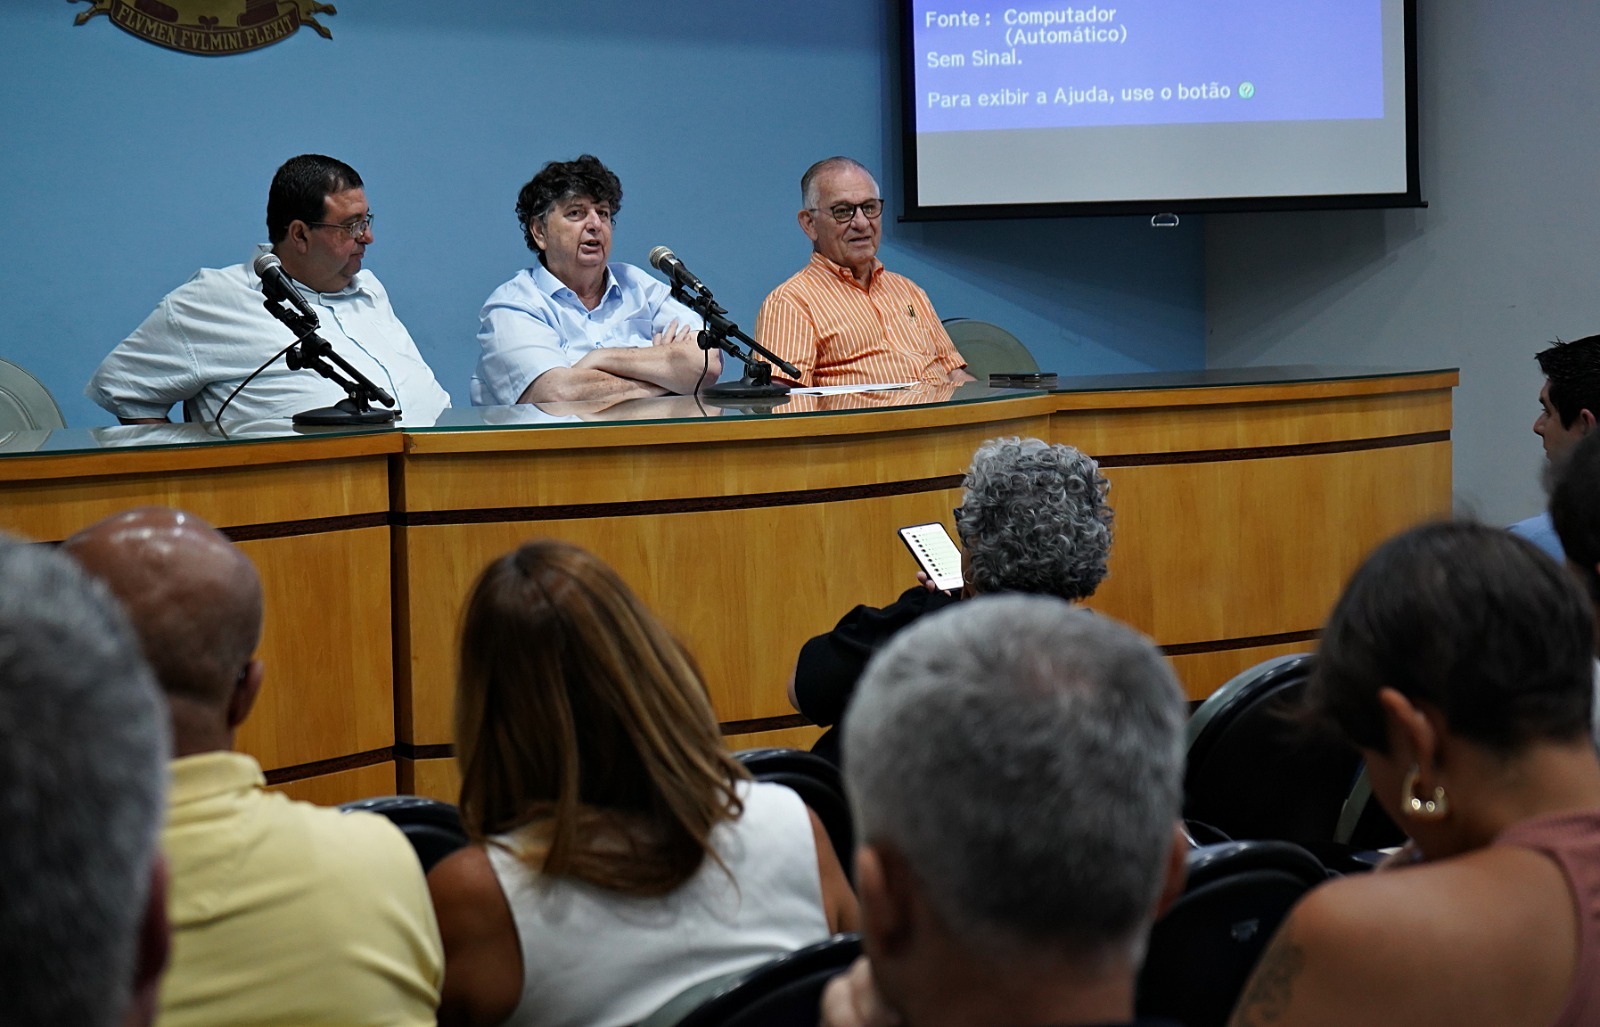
<point x="25" y="402"/>
<point x="1204" y="947"/>
<point x="818" y="783"/>
<point x="988" y="348"/>
<point x="432" y="827"/>
<point x="1254" y="773"/>
<point x="786" y="992"/>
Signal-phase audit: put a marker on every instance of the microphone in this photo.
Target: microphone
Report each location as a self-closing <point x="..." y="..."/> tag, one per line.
<point x="276" y="284"/>
<point x="663" y="260"/>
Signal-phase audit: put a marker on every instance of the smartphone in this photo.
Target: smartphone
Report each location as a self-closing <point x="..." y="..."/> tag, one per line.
<point x="937" y="553"/>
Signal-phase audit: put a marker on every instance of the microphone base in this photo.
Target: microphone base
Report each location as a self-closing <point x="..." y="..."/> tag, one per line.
<point x="757" y="383"/>
<point x="745" y="390"/>
<point x="344" y="412"/>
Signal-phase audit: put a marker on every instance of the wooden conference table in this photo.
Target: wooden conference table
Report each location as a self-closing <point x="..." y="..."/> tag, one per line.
<point x="1243" y="498"/>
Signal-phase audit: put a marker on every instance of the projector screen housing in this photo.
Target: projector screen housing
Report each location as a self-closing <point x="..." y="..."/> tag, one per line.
<point x="1023" y="108"/>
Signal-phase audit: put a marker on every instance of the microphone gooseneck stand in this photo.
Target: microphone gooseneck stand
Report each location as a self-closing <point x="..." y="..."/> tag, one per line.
<point x="313" y="352"/>
<point x="718" y="333"/>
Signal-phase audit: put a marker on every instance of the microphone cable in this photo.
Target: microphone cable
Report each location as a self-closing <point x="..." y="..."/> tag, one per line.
<point x="217" y="421"/>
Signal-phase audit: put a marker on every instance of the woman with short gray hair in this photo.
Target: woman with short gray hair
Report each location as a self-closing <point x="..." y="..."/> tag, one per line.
<point x="1034" y="519"/>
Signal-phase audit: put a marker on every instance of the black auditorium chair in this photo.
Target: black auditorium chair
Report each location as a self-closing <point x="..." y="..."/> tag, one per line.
<point x="1203" y="948"/>
<point x="785" y="992"/>
<point x="817" y="781"/>
<point x="1256" y="771"/>
<point x="432" y="827"/>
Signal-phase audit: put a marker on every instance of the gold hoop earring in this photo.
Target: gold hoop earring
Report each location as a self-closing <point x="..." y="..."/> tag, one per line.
<point x="1435" y="808"/>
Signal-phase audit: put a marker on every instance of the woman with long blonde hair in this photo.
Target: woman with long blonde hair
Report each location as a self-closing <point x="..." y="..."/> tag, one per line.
<point x="619" y="853"/>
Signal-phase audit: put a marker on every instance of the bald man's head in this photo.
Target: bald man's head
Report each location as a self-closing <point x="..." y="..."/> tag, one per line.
<point x="193" y="596"/>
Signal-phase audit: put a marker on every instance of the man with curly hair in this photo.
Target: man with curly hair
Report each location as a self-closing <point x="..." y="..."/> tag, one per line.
<point x="574" y="326"/>
<point x="1034" y="519"/>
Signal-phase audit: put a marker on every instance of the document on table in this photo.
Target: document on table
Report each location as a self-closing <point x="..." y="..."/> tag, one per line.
<point x="840" y="390"/>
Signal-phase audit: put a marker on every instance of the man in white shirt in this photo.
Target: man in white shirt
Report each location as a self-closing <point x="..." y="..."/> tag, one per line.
<point x="574" y="326"/>
<point x="211" y="333"/>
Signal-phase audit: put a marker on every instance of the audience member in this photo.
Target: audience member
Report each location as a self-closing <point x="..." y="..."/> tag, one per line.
<point x="1033" y="519"/>
<point x="621" y="854"/>
<point x="843" y="319"/>
<point x="1016" y="773"/>
<point x="1459" y="661"/>
<point x="211" y="333"/>
<point x="1569" y="401"/>
<point x="574" y="326"/>
<point x="1575" y="511"/>
<point x="283" y="912"/>
<point x="83" y="740"/>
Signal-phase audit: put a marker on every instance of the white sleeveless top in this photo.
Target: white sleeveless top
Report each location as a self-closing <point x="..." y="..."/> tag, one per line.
<point x="596" y="958"/>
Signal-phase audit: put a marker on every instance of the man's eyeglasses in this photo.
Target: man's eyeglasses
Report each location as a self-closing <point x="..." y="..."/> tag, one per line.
<point x="844" y="213"/>
<point x="356" y="228"/>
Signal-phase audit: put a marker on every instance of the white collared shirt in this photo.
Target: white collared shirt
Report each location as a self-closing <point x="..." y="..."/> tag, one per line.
<point x="210" y="333"/>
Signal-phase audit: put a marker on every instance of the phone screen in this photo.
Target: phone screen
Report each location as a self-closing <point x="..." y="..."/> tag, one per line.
<point x="936" y="552"/>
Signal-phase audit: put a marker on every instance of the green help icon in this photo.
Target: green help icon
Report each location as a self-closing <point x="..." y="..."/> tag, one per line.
<point x="1247" y="90"/>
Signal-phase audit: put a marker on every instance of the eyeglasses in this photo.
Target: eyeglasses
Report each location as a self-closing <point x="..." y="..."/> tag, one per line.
<point x="844" y="213"/>
<point x="356" y="228"/>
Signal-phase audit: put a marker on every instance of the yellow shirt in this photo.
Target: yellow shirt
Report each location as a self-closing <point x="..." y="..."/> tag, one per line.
<point x="289" y="913"/>
<point x="837" y="333"/>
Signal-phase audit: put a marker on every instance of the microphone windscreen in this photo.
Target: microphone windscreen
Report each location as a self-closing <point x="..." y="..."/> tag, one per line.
<point x="266" y="262"/>
<point x="659" y="257"/>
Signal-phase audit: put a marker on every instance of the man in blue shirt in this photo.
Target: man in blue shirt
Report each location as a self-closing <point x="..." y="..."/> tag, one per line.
<point x="575" y="327"/>
<point x="1567" y="405"/>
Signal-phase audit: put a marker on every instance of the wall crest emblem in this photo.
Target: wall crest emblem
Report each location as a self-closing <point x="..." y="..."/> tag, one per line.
<point x="212" y="28"/>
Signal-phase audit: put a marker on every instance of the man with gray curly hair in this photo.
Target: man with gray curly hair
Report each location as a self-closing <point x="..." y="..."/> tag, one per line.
<point x="1016" y="773"/>
<point x="83" y="752"/>
<point x="1033" y="519"/>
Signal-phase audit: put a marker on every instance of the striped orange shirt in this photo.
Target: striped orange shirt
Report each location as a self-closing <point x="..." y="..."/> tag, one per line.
<point x="838" y="333"/>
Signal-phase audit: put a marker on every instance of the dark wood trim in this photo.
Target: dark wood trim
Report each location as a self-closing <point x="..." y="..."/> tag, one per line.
<point x="750" y="727"/>
<point x="1253" y="642"/>
<point x="370" y="758"/>
<point x="408" y="751"/>
<point x="314" y="526"/>
<point x="1217" y="456"/>
<point x="757" y="500"/>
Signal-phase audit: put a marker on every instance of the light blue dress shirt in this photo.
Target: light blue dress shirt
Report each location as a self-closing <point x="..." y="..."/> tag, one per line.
<point x="533" y="324"/>
<point x="1538" y="530"/>
<point x="210" y="333"/>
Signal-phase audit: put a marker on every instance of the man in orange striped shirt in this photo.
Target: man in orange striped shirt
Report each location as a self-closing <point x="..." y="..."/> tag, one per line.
<point x="843" y="319"/>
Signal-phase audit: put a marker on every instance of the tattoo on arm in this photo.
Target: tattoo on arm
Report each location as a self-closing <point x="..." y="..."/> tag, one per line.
<point x="1266" y="997"/>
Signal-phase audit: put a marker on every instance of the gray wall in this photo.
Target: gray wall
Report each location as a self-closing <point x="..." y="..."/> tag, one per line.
<point x="1503" y="260"/>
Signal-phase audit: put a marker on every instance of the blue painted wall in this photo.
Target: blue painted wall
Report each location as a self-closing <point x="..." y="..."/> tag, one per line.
<point x="124" y="166"/>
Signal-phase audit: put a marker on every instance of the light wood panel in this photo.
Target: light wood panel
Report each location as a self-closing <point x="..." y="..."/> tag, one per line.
<point x="783" y="738"/>
<point x="436" y="778"/>
<point x="343" y="785"/>
<point x="742" y="588"/>
<point x="752" y="535"/>
<point x="1171" y="429"/>
<point x="53" y="508"/>
<point x="1241" y="548"/>
<point x="473" y="481"/>
<point x="329" y="688"/>
<point x="146" y="450"/>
